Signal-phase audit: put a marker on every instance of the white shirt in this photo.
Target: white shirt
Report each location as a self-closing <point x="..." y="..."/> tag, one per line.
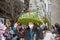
<point x="3" y="38"/>
<point x="49" y="36"/>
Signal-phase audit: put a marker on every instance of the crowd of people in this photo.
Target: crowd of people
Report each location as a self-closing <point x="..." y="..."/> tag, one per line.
<point x="32" y="32"/>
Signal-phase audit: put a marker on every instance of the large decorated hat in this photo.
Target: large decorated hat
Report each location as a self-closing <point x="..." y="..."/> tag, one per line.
<point x="30" y="17"/>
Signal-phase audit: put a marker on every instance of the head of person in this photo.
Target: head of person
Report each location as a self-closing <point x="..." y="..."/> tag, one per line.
<point x="52" y="29"/>
<point x="31" y="25"/>
<point x="45" y="28"/>
<point x="9" y="28"/>
<point x="15" y="25"/>
<point x="57" y="25"/>
<point x="18" y="26"/>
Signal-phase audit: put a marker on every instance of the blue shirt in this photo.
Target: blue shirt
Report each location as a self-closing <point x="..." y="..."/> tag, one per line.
<point x="31" y="35"/>
<point x="14" y="28"/>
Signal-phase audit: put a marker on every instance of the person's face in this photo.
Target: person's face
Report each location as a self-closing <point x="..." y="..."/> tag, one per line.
<point x="31" y="25"/>
<point x="16" y="24"/>
<point x="52" y="30"/>
<point x="18" y="27"/>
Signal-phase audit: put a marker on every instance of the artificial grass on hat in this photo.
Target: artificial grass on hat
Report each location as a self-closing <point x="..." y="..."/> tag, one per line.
<point x="26" y="21"/>
<point x="30" y="17"/>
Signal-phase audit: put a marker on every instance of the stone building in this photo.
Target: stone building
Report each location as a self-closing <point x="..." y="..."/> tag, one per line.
<point x="55" y="11"/>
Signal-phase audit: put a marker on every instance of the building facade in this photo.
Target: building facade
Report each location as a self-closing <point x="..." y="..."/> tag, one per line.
<point x="43" y="7"/>
<point x="55" y="11"/>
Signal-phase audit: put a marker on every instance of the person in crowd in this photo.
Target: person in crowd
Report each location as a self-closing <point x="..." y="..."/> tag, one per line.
<point x="15" y="25"/>
<point x="2" y="31"/>
<point x="21" y="31"/>
<point x="58" y="28"/>
<point x="48" y="34"/>
<point x="17" y="32"/>
<point x="14" y="37"/>
<point x="36" y="32"/>
<point x="57" y="25"/>
<point x="53" y="30"/>
<point x="41" y="32"/>
<point x="10" y="33"/>
<point x="29" y="33"/>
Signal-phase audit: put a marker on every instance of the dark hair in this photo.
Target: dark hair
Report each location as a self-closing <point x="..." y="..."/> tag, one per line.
<point x="57" y="25"/>
<point x="19" y="24"/>
<point x="52" y="27"/>
<point x="14" y="35"/>
<point x="46" y="28"/>
<point x="35" y="27"/>
<point x="58" y="28"/>
<point x="28" y="28"/>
